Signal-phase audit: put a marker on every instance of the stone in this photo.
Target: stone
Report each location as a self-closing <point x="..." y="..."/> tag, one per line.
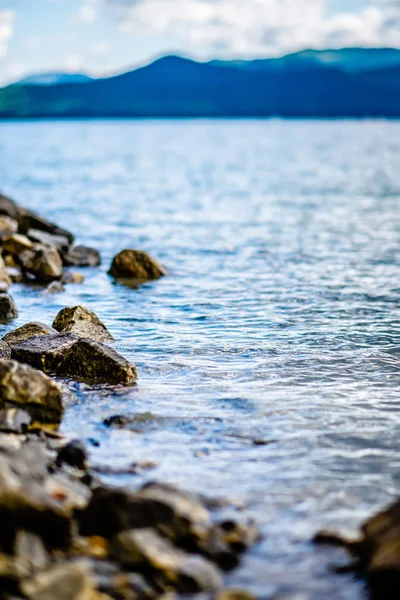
<point x="189" y="573"/>
<point x="55" y="287"/>
<point x="43" y="261"/>
<point x="135" y="264"/>
<point x="23" y="387"/>
<point x="83" y="322"/>
<point x="8" y="310"/>
<point x="14" y="273"/>
<point x="60" y="242"/>
<point x="70" y="581"/>
<point x="15" y="337"/>
<point x="72" y="277"/>
<point x="8" y="225"/>
<point x="14" y="420"/>
<point x="5" y="279"/>
<point x="29" y="549"/>
<point x="17" y="243"/>
<point x="233" y="594"/>
<point x="70" y="356"/>
<point x="73" y="454"/>
<point x="81" y="256"/>
<point x="5" y="349"/>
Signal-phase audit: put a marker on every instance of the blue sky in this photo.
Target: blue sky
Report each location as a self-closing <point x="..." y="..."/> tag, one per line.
<point x="103" y="36"/>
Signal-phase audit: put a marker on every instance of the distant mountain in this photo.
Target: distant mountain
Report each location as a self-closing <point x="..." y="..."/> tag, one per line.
<point x="54" y="79"/>
<point x="352" y="82"/>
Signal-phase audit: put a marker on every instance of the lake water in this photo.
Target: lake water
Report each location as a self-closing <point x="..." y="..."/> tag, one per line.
<point x="279" y="319"/>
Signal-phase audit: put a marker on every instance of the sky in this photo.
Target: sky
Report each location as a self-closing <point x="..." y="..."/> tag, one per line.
<point x="106" y="36"/>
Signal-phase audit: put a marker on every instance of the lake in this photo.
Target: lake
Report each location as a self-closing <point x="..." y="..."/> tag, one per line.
<point x="279" y="320"/>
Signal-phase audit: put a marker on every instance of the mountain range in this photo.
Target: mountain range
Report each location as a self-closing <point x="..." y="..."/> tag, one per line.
<point x="352" y="82"/>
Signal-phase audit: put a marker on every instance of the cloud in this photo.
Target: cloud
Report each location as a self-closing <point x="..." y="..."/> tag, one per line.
<point x="251" y="27"/>
<point x="7" y="18"/>
<point x="74" y="63"/>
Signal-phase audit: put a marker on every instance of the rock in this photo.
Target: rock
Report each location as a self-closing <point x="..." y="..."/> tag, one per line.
<point x="70" y="581"/>
<point x="8" y="310"/>
<point x="44" y="262"/>
<point x="83" y="322"/>
<point x="5" y="349"/>
<point x="8" y="225"/>
<point x="235" y="595"/>
<point x="5" y="279"/>
<point x="135" y="264"/>
<point x="10" y="208"/>
<point x="55" y="287"/>
<point x="189" y="573"/>
<point x="67" y="355"/>
<point x="14" y="420"/>
<point x="30" y="550"/>
<point x="72" y="277"/>
<point x="60" y="242"/>
<point x="81" y="256"/>
<point x="73" y="454"/>
<point x="14" y="273"/>
<point x="15" y="337"/>
<point x="31" y="390"/>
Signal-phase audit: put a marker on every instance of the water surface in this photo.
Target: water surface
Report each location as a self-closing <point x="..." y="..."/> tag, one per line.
<point x="279" y="319"/>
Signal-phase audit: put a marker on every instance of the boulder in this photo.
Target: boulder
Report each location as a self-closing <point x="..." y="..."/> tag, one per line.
<point x="8" y="225"/>
<point x="72" y="277"/>
<point x="81" y="256"/>
<point x="23" y="387"/>
<point x="5" y="279"/>
<point x="70" y="356"/>
<point x="44" y="262"/>
<point x="47" y="239"/>
<point x="8" y="310"/>
<point x="16" y="244"/>
<point x="189" y="573"/>
<point x="15" y="337"/>
<point x="83" y="322"/>
<point x="5" y="349"/>
<point x="135" y="264"/>
<point x="14" y="273"/>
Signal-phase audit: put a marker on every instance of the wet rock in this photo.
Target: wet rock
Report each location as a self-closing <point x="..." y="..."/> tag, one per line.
<point x="71" y="581"/>
<point x="72" y="277"/>
<point x="60" y="242"/>
<point x="8" y="225"/>
<point x="44" y="262"/>
<point x="83" y="322"/>
<point x="67" y="355"/>
<point x="376" y="554"/>
<point x="31" y="390"/>
<point x="81" y="256"/>
<point x="17" y="244"/>
<point x="189" y="573"/>
<point x="8" y="310"/>
<point x="10" y="208"/>
<point x="15" y="337"/>
<point x="135" y="264"/>
<point x="5" y="349"/>
<point x="73" y="454"/>
<point x="116" y="421"/>
<point x="5" y="279"/>
<point x="55" y="287"/>
<point x="14" y="420"/>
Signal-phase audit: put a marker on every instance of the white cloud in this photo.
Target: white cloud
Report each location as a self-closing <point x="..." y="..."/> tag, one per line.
<point x="210" y="27"/>
<point x="7" y="18"/>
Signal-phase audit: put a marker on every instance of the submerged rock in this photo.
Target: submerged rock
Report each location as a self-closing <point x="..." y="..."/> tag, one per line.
<point x="67" y="355"/>
<point x="376" y="554"/>
<point x="189" y="573"/>
<point x="15" y="337"/>
<point x="81" y="256"/>
<point x="82" y="321"/>
<point x="8" y="310"/>
<point x="55" y="287"/>
<point x="136" y="264"/>
<point x="72" y="277"/>
<point x="23" y="387"/>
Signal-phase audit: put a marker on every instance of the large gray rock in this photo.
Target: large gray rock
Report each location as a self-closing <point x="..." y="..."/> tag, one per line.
<point x="189" y="573"/>
<point x="15" y="337"/>
<point x="135" y="264"/>
<point x="67" y="355"/>
<point x="23" y="387"/>
<point x="8" y="310"/>
<point x="81" y="256"/>
<point x="83" y="322"/>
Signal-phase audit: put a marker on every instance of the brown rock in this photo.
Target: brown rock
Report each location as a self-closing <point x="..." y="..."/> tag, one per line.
<point x="5" y="349"/>
<point x="136" y="264"/>
<point x="15" y="337"/>
<point x="81" y="256"/>
<point x="5" y="279"/>
<point x="44" y="262"/>
<point x="55" y="287"/>
<point x="83" y="322"/>
<point x="8" y="225"/>
<point x="44" y="352"/>
<point x="72" y="277"/>
<point x="235" y="595"/>
<point x="8" y="310"/>
<point x="189" y="573"/>
<point x="31" y="390"/>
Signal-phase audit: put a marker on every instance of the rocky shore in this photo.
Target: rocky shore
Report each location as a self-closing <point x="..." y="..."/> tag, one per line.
<point x="64" y="533"/>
